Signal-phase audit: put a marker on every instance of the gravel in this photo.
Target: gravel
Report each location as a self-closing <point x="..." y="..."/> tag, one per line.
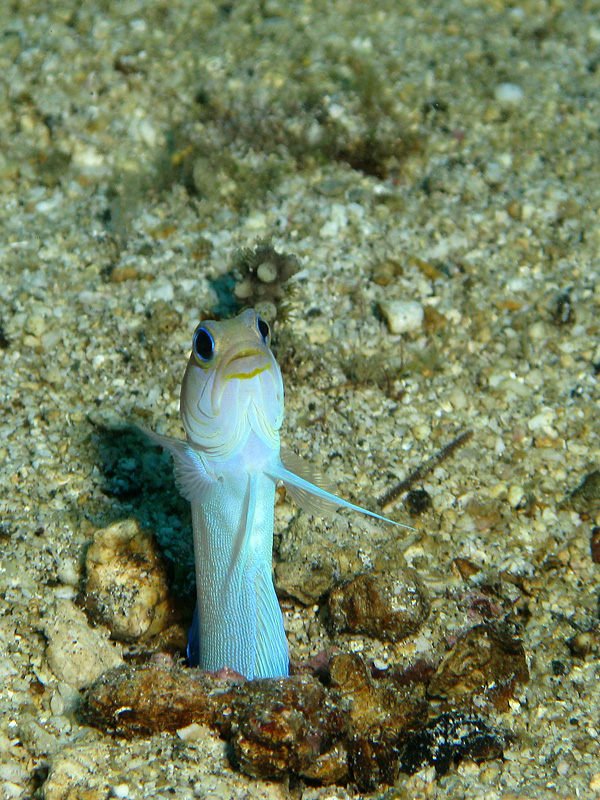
<point x="143" y="147"/>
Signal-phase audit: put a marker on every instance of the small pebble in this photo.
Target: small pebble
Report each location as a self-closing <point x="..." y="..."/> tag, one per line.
<point x="508" y="95"/>
<point x="514" y="209"/>
<point x="562" y="767"/>
<point x="67" y="572"/>
<point x="515" y="495"/>
<point x="422" y="432"/>
<point x="386" y="271"/>
<point x="35" y="737"/>
<point x="542" y="420"/>
<point x="402" y="316"/>
<point x="160" y="290"/>
<point x="120" y="274"/>
<point x="191" y="733"/>
<point x="433" y="320"/>
<point x="458" y="399"/>
<point x="35" y="325"/>
<point x="584" y="643"/>
<point x="464" y="567"/>
<point x="13" y="773"/>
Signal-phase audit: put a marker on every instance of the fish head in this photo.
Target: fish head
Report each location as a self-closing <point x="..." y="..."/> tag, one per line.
<point x="232" y="386"/>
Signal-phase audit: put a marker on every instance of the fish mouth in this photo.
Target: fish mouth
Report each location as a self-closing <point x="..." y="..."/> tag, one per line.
<point x="246" y="364"/>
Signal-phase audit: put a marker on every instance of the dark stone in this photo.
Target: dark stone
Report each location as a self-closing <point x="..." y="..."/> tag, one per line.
<point x="558" y="668"/>
<point x="387" y="607"/>
<point x="353" y="729"/>
<point x="449" y="738"/>
<point x="486" y="662"/>
<point x="374" y="758"/>
<point x="563" y="312"/>
<point x="417" y="501"/>
<point x="585" y="499"/>
<point x="373" y="702"/>
<point x="595" y="545"/>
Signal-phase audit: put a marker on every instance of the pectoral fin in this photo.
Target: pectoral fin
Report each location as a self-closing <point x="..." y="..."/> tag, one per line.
<point x="312" y="497"/>
<point x="306" y="498"/>
<point x="191" y="477"/>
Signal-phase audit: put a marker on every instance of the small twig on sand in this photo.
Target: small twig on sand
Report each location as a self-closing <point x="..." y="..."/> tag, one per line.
<point x="420" y="472"/>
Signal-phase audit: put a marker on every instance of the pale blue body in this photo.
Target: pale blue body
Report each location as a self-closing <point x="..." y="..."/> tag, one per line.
<point x="240" y="624"/>
<point x="232" y="409"/>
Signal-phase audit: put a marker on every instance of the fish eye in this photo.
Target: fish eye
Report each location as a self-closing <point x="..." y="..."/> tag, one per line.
<point x="263" y="327"/>
<point x="203" y="344"/>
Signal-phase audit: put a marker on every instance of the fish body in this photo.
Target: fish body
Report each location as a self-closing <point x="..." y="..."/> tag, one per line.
<point x="239" y="620"/>
<point x="232" y="409"/>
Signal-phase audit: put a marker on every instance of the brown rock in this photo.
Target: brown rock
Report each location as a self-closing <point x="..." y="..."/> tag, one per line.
<point x="293" y="579"/>
<point x="383" y="714"/>
<point x="331" y="767"/>
<point x="434" y="321"/>
<point x="349" y="677"/>
<point x="374" y="757"/>
<point x="120" y="274"/>
<point x="585" y="499"/>
<point x="385" y="272"/>
<point x="288" y="726"/>
<point x="276" y="727"/>
<point x="352" y="730"/>
<point x="388" y="607"/>
<point x="363" y="726"/>
<point x="595" y="545"/>
<point x="126" y="586"/>
<point x="309" y="563"/>
<point x="464" y="567"/>
<point x="485" y="662"/>
<point x="160" y="696"/>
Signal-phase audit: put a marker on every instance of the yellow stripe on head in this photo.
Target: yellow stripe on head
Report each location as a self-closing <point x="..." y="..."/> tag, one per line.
<point x="243" y="376"/>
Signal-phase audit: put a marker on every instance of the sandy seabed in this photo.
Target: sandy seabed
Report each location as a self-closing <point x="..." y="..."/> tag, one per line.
<point x="445" y="154"/>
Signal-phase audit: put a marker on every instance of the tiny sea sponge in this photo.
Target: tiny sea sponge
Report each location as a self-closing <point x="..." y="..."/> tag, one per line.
<point x="263" y="271"/>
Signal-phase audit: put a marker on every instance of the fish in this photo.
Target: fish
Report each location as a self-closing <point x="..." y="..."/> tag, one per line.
<point x="231" y="405"/>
